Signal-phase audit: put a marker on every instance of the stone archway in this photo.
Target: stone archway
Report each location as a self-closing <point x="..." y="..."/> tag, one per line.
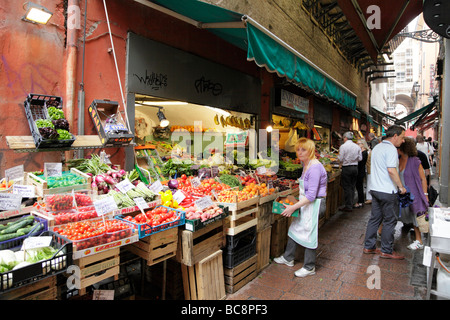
<point x="406" y="101"/>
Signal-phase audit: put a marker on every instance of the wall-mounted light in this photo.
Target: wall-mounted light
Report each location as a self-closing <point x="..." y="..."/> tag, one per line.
<point x="269" y="128"/>
<point x="36" y="13"/>
<point x="163" y="122"/>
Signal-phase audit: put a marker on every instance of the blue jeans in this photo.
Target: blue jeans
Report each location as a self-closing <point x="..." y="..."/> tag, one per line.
<point x="385" y="208"/>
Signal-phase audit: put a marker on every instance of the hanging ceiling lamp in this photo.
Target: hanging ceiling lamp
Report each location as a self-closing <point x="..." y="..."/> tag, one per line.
<point x="163" y="122"/>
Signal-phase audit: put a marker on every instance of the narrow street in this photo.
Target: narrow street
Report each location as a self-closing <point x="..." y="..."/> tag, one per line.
<point x="341" y="270"/>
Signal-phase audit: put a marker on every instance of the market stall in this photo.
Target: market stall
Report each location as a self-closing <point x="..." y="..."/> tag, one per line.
<point x="200" y="199"/>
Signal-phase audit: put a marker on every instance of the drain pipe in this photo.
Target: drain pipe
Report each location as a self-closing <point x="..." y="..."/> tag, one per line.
<point x="71" y="62"/>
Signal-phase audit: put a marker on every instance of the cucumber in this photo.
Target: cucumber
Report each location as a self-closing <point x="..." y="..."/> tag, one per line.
<point x="23" y="231"/>
<point x="16" y="226"/>
<point x="4" y="237"/>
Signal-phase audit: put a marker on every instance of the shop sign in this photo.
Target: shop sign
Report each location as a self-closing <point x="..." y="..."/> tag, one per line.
<point x="157" y="69"/>
<point x="293" y="101"/>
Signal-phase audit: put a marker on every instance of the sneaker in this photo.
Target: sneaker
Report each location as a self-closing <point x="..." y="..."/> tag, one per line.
<point x="301" y="273"/>
<point x="416" y="245"/>
<point x="282" y="260"/>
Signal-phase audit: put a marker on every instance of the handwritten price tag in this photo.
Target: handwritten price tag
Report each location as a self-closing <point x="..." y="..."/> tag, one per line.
<point x="261" y="170"/>
<point x="10" y="201"/>
<point x="36" y="242"/>
<point x="53" y="169"/>
<point x="125" y="186"/>
<point x="24" y="191"/>
<point x="14" y="172"/>
<point x="204" y="203"/>
<point x="195" y="182"/>
<point x="179" y="196"/>
<point x="105" y="206"/>
<point x="156" y="186"/>
<point x="141" y="203"/>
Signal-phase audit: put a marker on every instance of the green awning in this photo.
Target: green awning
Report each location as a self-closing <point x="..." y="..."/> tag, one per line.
<point x="262" y="47"/>
<point x="422" y="111"/>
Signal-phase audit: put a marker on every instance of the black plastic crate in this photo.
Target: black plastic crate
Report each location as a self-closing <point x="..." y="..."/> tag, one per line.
<point x="59" y="263"/>
<point x="123" y="288"/>
<point x="100" y="111"/>
<point x="245" y="236"/>
<point x="239" y="247"/>
<point x="36" y="108"/>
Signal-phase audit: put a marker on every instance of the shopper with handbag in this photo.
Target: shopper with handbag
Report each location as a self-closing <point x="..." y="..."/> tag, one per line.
<point x="413" y="177"/>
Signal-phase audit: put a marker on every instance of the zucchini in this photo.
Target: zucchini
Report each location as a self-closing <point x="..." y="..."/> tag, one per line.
<point x="16" y="226"/>
<point x="4" y="237"/>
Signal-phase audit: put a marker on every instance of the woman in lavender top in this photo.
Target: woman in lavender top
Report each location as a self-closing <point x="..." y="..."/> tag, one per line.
<point x="413" y="177"/>
<point x="304" y="228"/>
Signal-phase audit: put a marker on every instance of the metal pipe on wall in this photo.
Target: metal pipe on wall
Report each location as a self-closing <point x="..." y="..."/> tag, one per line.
<point x="71" y="66"/>
<point x="445" y="125"/>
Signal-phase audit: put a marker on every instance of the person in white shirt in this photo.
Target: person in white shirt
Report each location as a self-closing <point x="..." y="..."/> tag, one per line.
<point x="385" y="186"/>
<point x="349" y="156"/>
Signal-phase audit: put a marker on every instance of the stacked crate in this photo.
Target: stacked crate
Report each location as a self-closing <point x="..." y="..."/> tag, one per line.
<point x="240" y="262"/>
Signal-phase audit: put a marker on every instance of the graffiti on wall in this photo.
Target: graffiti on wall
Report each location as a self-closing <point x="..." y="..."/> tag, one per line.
<point x="27" y="78"/>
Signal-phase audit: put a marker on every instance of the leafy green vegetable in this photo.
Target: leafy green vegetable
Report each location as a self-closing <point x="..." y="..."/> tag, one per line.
<point x="43" y="123"/>
<point x="64" y="134"/>
<point x="55" y="113"/>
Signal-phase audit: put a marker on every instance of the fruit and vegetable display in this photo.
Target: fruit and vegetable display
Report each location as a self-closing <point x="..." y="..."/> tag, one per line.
<point x="125" y="200"/>
<point x="193" y="213"/>
<point x="55" y="126"/>
<point x="5" y="185"/>
<point x="19" y="228"/>
<point x="94" y="232"/>
<point x="157" y="216"/>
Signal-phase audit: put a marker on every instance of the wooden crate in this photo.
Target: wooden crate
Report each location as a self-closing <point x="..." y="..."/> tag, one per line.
<point x="240" y="205"/>
<point x="156" y="247"/>
<point x="265" y="216"/>
<point x="42" y="189"/>
<point x="278" y="238"/>
<point x="263" y="248"/>
<point x="239" y="276"/>
<point x="240" y="220"/>
<point x="173" y="282"/>
<point x="98" y="267"/>
<point x="195" y="246"/>
<point x="44" y="289"/>
<point x="205" y="280"/>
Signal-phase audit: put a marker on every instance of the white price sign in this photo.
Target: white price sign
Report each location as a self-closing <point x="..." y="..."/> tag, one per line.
<point x="14" y="172"/>
<point x="53" y="169"/>
<point x="10" y="201"/>
<point x="261" y="170"/>
<point x="24" y="191"/>
<point x="36" y="242"/>
<point x="105" y="206"/>
<point x="179" y="196"/>
<point x="141" y="203"/>
<point x="195" y="182"/>
<point x="156" y="186"/>
<point x="204" y="203"/>
<point x="125" y="186"/>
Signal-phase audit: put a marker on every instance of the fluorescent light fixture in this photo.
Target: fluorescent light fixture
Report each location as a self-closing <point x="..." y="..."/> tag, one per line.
<point x="37" y="14"/>
<point x="163" y="103"/>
